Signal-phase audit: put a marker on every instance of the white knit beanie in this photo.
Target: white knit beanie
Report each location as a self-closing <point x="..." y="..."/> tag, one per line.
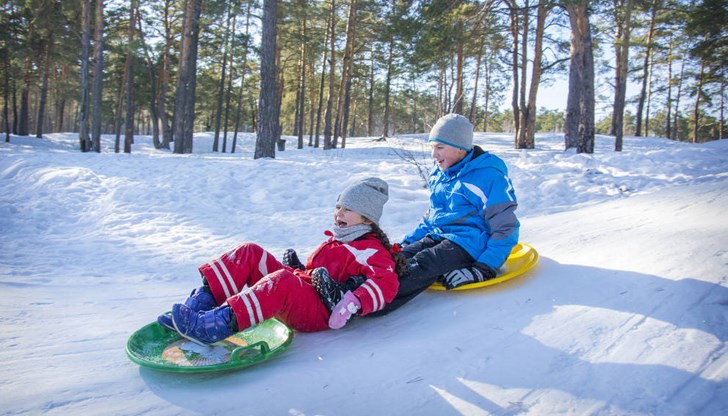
<point x="453" y="130"/>
<point x="367" y="197"/>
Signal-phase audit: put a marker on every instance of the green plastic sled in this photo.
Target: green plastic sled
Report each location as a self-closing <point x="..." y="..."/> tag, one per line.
<point x="157" y="347"/>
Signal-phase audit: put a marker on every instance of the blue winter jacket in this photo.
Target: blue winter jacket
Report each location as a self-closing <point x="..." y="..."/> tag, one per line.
<point x="473" y="204"/>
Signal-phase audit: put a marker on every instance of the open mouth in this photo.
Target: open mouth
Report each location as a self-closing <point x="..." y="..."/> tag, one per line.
<point x="341" y="224"/>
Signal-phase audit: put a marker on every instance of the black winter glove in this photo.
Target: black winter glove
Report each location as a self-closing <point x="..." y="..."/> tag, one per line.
<point x="478" y="272"/>
<point x="290" y="259"/>
<point x="354" y="282"/>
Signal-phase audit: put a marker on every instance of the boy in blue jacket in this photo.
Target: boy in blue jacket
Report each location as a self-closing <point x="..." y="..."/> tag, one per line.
<point x="471" y="225"/>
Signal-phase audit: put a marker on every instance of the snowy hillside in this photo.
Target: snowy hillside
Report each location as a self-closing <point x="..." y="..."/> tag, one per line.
<point x="625" y="314"/>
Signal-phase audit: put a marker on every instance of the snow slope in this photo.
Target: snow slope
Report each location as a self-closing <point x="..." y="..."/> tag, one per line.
<point x="625" y="314"/>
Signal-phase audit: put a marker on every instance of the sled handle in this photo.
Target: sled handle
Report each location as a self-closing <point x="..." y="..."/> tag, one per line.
<point x="238" y="352"/>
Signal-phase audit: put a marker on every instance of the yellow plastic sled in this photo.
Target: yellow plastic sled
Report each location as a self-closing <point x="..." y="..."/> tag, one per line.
<point x="522" y="258"/>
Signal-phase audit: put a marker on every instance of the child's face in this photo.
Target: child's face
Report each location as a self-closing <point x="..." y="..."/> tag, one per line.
<point x="344" y="217"/>
<point x="446" y="156"/>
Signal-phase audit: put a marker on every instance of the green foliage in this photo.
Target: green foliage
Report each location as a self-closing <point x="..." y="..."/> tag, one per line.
<point x="424" y="36"/>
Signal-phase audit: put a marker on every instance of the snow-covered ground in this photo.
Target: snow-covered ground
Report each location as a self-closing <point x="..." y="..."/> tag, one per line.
<point x="625" y="314"/>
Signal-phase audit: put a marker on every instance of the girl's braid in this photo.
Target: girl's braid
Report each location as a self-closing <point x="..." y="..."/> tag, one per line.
<point x="399" y="259"/>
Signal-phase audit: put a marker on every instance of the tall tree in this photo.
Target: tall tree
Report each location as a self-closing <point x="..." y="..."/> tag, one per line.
<point x="324" y="61"/>
<point x="129" y="69"/>
<point x="342" y="112"/>
<point x="229" y="87"/>
<point x="302" y="65"/>
<point x="97" y="88"/>
<point x="269" y="106"/>
<point x="45" y="64"/>
<point x="184" y="102"/>
<point x="223" y="77"/>
<point x="706" y="25"/>
<point x="622" y="10"/>
<point x="646" y="67"/>
<point x="328" y="142"/>
<point x="579" y="125"/>
<point x="514" y="27"/>
<point x="164" y="76"/>
<point x="243" y="73"/>
<point x="388" y="86"/>
<point x="153" y="108"/>
<point x="5" y="62"/>
<point x="83" y="136"/>
<point x="527" y="137"/>
<point x="697" y="102"/>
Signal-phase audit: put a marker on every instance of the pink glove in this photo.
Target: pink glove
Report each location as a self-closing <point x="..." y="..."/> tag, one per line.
<point x="347" y="306"/>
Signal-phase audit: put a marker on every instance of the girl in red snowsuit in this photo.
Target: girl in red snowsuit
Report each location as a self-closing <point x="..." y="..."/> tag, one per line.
<point x="248" y="285"/>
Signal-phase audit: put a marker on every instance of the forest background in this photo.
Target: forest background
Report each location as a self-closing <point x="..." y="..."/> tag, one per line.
<point x="335" y="69"/>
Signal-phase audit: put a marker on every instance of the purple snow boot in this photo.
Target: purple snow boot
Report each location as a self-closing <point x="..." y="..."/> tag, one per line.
<point x="205" y="327"/>
<point x="199" y="300"/>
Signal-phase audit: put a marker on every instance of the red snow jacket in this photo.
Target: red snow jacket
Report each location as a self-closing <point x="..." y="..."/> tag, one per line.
<point x="364" y="256"/>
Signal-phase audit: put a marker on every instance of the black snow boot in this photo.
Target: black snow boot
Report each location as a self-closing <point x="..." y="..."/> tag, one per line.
<point x="290" y="259"/>
<point x="328" y="290"/>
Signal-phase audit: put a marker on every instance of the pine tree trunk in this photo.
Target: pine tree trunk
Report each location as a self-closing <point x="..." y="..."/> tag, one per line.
<point x="301" y="89"/>
<point x="623" y="21"/>
<point x="221" y="82"/>
<point x="342" y="112"/>
<point x="324" y="61"/>
<point x="486" y="93"/>
<point x="579" y="128"/>
<point x="184" y="103"/>
<point x="649" y="95"/>
<point x="117" y="119"/>
<point x="328" y="142"/>
<point x="14" y="94"/>
<point x="6" y="96"/>
<point x="459" y="89"/>
<point x="696" y="106"/>
<point x="129" y="124"/>
<point x="44" y="89"/>
<point x="514" y="24"/>
<point x="153" y="107"/>
<point x="388" y="86"/>
<point x="244" y="67"/>
<point x="228" y="90"/>
<point x="60" y="103"/>
<point x="370" y="98"/>
<point x="721" y="120"/>
<point x="668" y="116"/>
<point x="311" y="104"/>
<point x="167" y="135"/>
<point x="523" y="110"/>
<point x="269" y="109"/>
<point x="677" y="102"/>
<point x="473" y="107"/>
<point x="97" y="88"/>
<point x="530" y="119"/>
<point x="83" y="136"/>
<point x="645" y="70"/>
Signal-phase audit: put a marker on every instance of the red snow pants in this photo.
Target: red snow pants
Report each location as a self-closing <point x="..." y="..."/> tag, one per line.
<point x="258" y="287"/>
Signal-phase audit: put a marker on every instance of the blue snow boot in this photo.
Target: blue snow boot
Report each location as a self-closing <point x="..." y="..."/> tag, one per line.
<point x="199" y="300"/>
<point x="205" y="327"/>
